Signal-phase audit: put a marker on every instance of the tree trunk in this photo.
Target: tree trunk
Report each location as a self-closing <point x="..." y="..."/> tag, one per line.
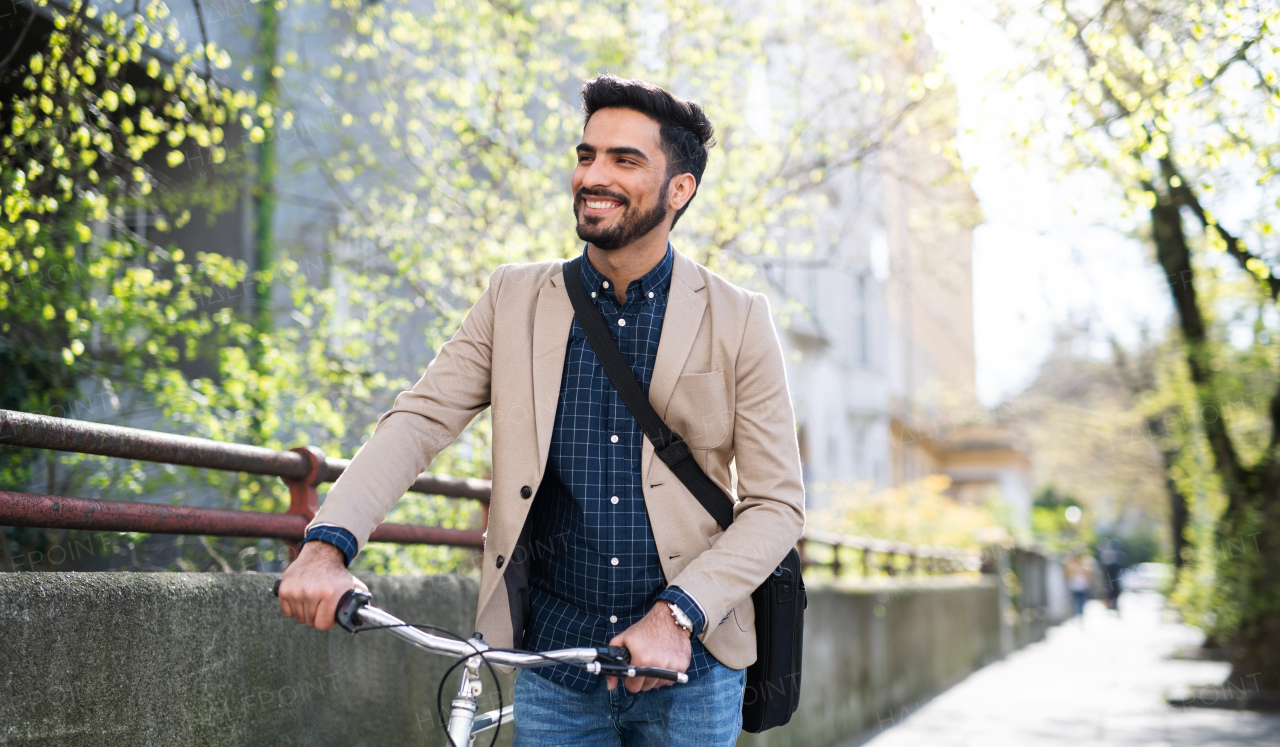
<point x="1255" y="556"/>
<point x="1179" y="513"/>
<point x="1248" y="534"/>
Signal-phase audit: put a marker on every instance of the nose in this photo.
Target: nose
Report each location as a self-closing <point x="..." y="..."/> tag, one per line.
<point x="594" y="174"/>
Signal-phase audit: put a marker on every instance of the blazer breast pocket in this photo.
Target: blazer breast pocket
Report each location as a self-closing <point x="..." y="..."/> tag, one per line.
<point x="699" y="409"/>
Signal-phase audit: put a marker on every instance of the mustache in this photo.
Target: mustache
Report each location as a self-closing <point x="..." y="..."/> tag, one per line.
<point x="583" y="193"/>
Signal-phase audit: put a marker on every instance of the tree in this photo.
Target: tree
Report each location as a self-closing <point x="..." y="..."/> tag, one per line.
<point x="1176" y="102"/>
<point x="450" y="151"/>
<point x="103" y="109"/>
<point x="442" y="132"/>
<point x="1093" y="448"/>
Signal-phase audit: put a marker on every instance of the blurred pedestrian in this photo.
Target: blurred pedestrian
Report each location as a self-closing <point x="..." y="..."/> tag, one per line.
<point x="1080" y="575"/>
<point x="1112" y="565"/>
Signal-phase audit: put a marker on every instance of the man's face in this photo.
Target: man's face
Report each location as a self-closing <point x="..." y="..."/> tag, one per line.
<point x="620" y="183"/>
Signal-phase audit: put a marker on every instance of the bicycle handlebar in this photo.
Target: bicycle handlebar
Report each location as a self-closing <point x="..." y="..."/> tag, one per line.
<point x="355" y="610"/>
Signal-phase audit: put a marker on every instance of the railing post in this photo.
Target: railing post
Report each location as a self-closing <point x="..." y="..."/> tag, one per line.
<point x="866" y="561"/>
<point x="304" y="499"/>
<point x="835" y="560"/>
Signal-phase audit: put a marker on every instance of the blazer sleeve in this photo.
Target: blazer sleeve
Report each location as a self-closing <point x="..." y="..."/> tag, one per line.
<point x="769" y="515"/>
<point x="425" y="419"/>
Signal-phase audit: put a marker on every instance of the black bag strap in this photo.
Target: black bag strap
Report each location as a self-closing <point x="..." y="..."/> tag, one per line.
<point x="667" y="444"/>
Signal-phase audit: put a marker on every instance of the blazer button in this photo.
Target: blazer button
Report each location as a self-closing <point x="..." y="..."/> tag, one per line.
<point x="500" y="561"/>
<point x="526" y="492"/>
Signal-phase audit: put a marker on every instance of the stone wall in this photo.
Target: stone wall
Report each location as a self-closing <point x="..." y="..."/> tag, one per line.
<point x="207" y="659"/>
<point x="872" y="655"/>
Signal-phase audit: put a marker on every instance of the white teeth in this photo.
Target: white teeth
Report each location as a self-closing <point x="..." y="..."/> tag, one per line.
<point x="600" y="205"/>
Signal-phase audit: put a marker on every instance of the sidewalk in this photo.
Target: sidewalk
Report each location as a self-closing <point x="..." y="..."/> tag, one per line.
<point x="1099" y="682"/>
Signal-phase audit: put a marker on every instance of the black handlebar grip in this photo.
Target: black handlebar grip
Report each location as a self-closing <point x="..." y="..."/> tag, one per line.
<point x="661" y="674"/>
<point x="349" y="606"/>
<point x="618" y="654"/>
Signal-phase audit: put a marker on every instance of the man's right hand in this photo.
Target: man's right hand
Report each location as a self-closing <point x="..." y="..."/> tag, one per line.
<point x="312" y="585"/>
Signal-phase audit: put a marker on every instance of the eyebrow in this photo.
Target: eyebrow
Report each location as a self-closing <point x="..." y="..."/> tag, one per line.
<point x="623" y="150"/>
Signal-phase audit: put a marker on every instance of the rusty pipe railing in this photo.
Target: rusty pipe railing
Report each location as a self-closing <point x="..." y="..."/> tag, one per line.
<point x="919" y="558"/>
<point x="61" y="434"/>
<point x="302" y="469"/>
<point x="59" y="512"/>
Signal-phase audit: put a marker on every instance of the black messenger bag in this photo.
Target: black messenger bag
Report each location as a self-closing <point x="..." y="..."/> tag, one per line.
<point x="773" y="682"/>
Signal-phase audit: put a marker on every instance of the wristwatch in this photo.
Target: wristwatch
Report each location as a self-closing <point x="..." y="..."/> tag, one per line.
<point x="681" y="618"/>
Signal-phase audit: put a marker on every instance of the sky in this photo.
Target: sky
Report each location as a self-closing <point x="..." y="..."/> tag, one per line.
<point x="1048" y="253"/>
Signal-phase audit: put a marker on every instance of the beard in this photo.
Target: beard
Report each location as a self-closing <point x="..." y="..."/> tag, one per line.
<point x="630" y="226"/>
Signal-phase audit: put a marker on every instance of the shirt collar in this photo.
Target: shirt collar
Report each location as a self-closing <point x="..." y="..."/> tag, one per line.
<point x="656" y="281"/>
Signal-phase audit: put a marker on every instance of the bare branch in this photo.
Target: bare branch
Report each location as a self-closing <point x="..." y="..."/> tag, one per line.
<point x="1186" y="196"/>
<point x="208" y="82"/>
<point x="1239" y="56"/>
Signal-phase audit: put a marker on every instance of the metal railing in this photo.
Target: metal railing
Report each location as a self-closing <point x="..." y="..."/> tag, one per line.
<point x="302" y="469"/>
<point x="875" y="557"/>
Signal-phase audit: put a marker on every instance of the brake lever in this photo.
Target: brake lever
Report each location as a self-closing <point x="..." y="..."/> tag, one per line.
<point x="349" y="606"/>
<point x="614" y="654"/>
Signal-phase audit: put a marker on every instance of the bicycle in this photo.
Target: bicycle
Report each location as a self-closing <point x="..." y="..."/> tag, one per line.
<point x="356" y="613"/>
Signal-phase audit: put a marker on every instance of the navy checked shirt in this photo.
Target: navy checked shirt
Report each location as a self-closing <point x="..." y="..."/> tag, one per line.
<point x="595" y="569"/>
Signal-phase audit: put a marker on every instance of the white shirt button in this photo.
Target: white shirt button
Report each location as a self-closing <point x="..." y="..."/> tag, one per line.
<point x="650" y="294"/>
<point x="613" y="561"/>
<point x="614" y="500"/>
<point x="613" y="618"/>
<point x="622" y="322"/>
<point x="613" y="439"/>
<point x="605" y="283"/>
<point x="593" y="294"/>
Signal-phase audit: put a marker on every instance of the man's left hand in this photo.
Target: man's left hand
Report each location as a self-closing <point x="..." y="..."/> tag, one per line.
<point x="655" y="641"/>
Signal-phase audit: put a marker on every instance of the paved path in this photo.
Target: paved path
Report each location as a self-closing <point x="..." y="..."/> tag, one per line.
<point x="1096" y="682"/>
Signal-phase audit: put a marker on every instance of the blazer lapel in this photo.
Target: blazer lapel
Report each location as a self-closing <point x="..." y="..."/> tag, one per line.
<point x="685" y="307"/>
<point x="551" y="324"/>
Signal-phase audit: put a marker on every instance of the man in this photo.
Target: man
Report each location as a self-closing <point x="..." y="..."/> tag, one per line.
<point x="591" y="539"/>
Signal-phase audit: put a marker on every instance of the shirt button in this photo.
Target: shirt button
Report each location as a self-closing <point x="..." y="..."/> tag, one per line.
<point x="526" y="492"/>
<point x="650" y="294"/>
<point x="614" y="500"/>
<point x="613" y="439"/>
<point x="605" y="283"/>
<point x="613" y="561"/>
<point x="502" y="560"/>
<point x="622" y="322"/>
<point x="613" y="618"/>
<point x="593" y="294"/>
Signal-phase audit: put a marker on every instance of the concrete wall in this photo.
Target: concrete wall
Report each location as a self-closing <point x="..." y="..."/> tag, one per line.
<point x="872" y="655"/>
<point x="206" y="659"/>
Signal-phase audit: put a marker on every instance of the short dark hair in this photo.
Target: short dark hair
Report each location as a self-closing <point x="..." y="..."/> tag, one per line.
<point x="685" y="131"/>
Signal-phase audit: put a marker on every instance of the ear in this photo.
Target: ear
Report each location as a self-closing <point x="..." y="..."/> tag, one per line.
<point x="681" y="190"/>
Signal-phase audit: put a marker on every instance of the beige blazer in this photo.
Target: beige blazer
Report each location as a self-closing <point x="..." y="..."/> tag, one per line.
<point x="718" y="380"/>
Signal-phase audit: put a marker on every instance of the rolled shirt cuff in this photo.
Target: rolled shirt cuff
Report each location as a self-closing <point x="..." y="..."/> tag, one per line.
<point x="336" y="536"/>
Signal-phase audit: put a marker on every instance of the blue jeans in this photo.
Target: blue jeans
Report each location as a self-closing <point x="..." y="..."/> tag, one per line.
<point x="706" y="712"/>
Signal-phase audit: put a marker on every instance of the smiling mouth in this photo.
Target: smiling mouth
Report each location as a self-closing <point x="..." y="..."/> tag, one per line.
<point x="597" y="208"/>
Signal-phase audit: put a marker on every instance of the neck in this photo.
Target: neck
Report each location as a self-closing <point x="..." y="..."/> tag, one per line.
<point x="630" y="262"/>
